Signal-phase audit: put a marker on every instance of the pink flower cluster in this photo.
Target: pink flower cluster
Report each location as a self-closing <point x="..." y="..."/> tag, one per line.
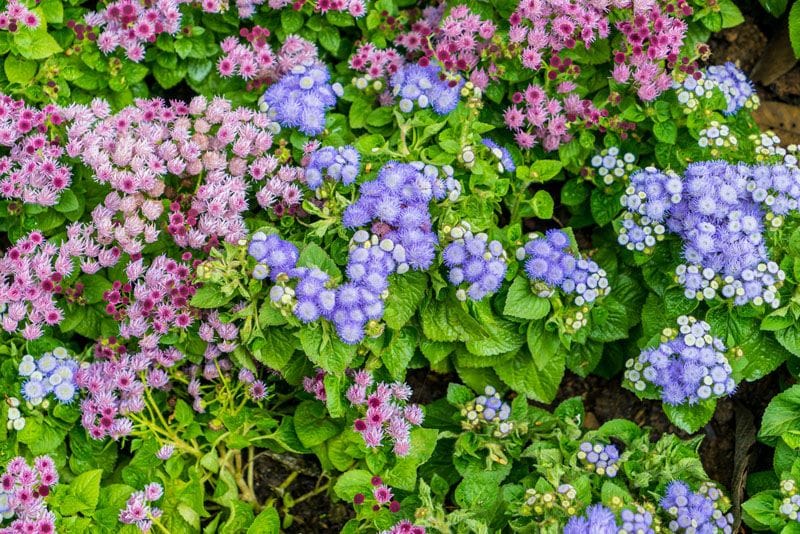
<point x="460" y="40"/>
<point x="158" y="300"/>
<point x="129" y="24"/>
<point x="405" y="527"/>
<point x="22" y="492"/>
<point x="375" y="62"/>
<point x="114" y="390"/>
<point x="139" y="509"/>
<point x="256" y="389"/>
<point x="221" y="340"/>
<point x="386" y="412"/>
<point x="381" y="494"/>
<point x="415" y="39"/>
<point x="31" y="171"/>
<point x="30" y="274"/>
<point x="652" y="40"/>
<point x="534" y="117"/>
<point x="16" y="14"/>
<point x="282" y="192"/>
<point x="356" y="8"/>
<point x="316" y="385"/>
<point x="251" y="61"/>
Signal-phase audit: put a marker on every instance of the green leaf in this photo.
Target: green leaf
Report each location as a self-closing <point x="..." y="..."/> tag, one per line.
<point x="604" y="207"/>
<point x="209" y="296"/>
<point x="459" y="395"/>
<point x="291" y="20"/>
<point x="267" y="522"/>
<point x="314" y="256"/>
<point x="774" y="7"/>
<point x="353" y="482"/>
<point x="781" y="416"/>
<point x="691" y="418"/>
<point x="543" y="170"/>
<point x="53" y="11"/>
<point x="82" y="494"/>
<point x="536" y="378"/>
<point x="312" y="424"/>
<point x="503" y="336"/>
<point x="324" y="349"/>
<point x="731" y="15"/>
<point x="67" y="202"/>
<point x="329" y="39"/>
<point x="399" y="352"/>
<point x="405" y="294"/>
<point x="380" y="116"/>
<point x="794" y="28"/>
<point x="19" y="70"/>
<point x="169" y="77"/>
<point x="542" y="205"/>
<point x="522" y="303"/>
<point x="36" y="43"/>
<point x="666" y="132"/>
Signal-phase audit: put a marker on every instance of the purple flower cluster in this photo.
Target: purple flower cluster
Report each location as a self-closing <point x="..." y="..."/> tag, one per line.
<point x="426" y="87"/>
<point x="405" y="526"/>
<point x="139" y="509"/>
<point x="130" y="25"/>
<point x="735" y="85"/>
<point x="23" y="489"/>
<point x="719" y="211"/>
<point x="597" y="520"/>
<point x="386" y="412"/>
<point x="220" y="338"/>
<point x="16" y="15"/>
<point x="31" y="171"/>
<point x="300" y="98"/>
<point x="474" y="262"/>
<point x="256" y="389"/>
<point x="274" y="255"/>
<point x="688" y="366"/>
<point x="551" y="262"/>
<point x="53" y="372"/>
<point x="638" y="520"/>
<point x="316" y="385"/>
<point x="506" y="162"/>
<point x="396" y="203"/>
<point x="381" y="494"/>
<point x="340" y="164"/>
<point x="599" y="458"/>
<point x="698" y="511"/>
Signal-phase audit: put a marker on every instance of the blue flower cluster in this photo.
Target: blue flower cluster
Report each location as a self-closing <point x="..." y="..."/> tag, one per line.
<point x="790" y="503"/>
<point x="300" y="98"/>
<point x="53" y="372"/>
<point x="735" y="85"/>
<point x="638" y="521"/>
<point x="426" y="86"/>
<point x="691" y="90"/>
<point x="340" y="164"/>
<point x="274" y="255"/>
<point x="475" y="262"/>
<point x="551" y="262"/>
<point x="696" y="512"/>
<point x="611" y="166"/>
<point x="689" y="365"/>
<point x="488" y="409"/>
<point x="598" y="519"/>
<point x="396" y="203"/>
<point x="599" y="458"/>
<point x="506" y="163"/>
<point x="719" y="211"/>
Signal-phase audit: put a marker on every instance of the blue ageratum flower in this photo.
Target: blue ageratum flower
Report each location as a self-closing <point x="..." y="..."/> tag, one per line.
<point x="340" y="164"/>
<point x="52" y="373"/>
<point x="551" y="262"/>
<point x="301" y="97"/>
<point x="699" y="511"/>
<point x="476" y="265"/>
<point x="506" y="163"/>
<point x="426" y="87"/>
<point x="689" y="365"/>
<point x="597" y="520"/>
<point x="273" y="254"/>
<point x="735" y="85"/>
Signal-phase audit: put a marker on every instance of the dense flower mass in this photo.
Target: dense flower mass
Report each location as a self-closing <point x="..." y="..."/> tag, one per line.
<point x="721" y="212"/>
<point x="599" y="458"/>
<point x="598" y="519"/>
<point x="426" y="87"/>
<point x="300" y="98"/>
<point x="551" y="262"/>
<point x="139" y="509"/>
<point x="53" y="372"/>
<point x="386" y="412"/>
<point x="699" y="511"/>
<point x="340" y="164"/>
<point x="735" y="85"/>
<point x="611" y="166"/>
<point x="474" y="262"/>
<point x="23" y="489"/>
<point x="688" y="366"/>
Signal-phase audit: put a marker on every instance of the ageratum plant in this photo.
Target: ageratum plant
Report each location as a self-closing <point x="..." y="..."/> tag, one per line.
<point x="237" y="236"/>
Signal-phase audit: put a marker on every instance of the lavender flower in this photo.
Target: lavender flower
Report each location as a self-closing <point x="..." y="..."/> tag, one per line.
<point x="598" y="520"/>
<point x="474" y="263"/>
<point x="599" y="458"/>
<point x="688" y="366"/>
<point x="139" y="509"/>
<point x="301" y="97"/>
<point x="735" y="85"/>
<point x="273" y="254"/>
<point x="699" y="511"/>
<point x="23" y="489"/>
<point x="611" y="167"/>
<point x="488" y="410"/>
<point x="506" y="163"/>
<point x="52" y="373"/>
<point x="639" y="521"/>
<point x="341" y="164"/>
<point x="426" y="87"/>
<point x="790" y="503"/>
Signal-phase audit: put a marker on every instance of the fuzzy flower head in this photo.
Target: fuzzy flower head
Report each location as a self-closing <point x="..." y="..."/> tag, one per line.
<point x="735" y="85"/>
<point x="689" y="366"/>
<point x="426" y="87"/>
<point x="488" y="411"/>
<point x="52" y="373"/>
<point x="700" y="511"/>
<point x="339" y="164"/>
<point x="476" y="265"/>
